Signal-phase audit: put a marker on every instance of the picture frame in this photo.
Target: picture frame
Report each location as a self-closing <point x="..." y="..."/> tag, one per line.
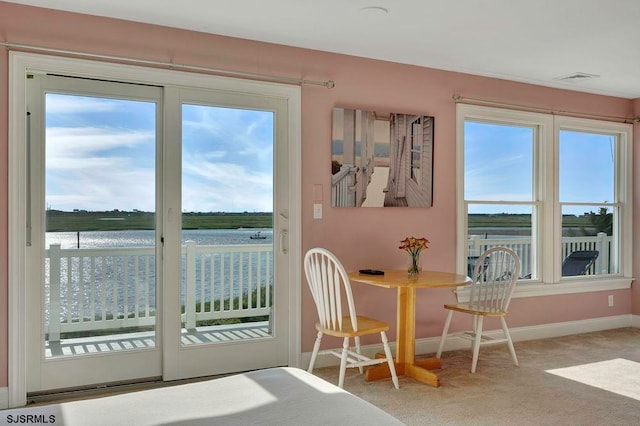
<point x="381" y="159"/>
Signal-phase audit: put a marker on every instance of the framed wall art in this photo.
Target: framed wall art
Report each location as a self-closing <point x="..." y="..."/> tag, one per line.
<point x="381" y="159"/>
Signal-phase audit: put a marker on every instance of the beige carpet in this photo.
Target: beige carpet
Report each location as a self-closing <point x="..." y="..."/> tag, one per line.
<point x="587" y="379"/>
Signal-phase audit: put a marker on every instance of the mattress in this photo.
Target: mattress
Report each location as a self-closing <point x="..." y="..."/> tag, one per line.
<point x="275" y="396"/>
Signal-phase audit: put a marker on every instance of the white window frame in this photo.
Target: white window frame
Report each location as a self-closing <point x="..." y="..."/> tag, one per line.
<point x="547" y="226"/>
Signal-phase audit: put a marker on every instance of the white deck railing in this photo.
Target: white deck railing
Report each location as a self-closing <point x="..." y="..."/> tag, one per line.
<point x="522" y="246"/>
<point x="343" y="187"/>
<point x="112" y="288"/>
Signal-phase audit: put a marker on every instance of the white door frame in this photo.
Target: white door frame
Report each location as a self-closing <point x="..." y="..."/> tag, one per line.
<point x="19" y="65"/>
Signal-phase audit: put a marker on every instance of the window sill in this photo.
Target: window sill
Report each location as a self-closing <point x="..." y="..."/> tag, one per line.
<point x="565" y="287"/>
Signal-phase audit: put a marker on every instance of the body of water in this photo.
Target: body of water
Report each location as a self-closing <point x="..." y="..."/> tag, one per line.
<point x="204" y="237"/>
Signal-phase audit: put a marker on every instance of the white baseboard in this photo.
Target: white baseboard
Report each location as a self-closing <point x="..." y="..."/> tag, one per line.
<point x="430" y="344"/>
<point x="4" y="398"/>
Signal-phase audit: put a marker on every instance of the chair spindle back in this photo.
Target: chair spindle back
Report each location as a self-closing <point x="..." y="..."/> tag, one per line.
<point x="494" y="278"/>
<point x="329" y="283"/>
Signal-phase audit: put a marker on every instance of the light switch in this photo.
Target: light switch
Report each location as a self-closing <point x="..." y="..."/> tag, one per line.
<point x="317" y="211"/>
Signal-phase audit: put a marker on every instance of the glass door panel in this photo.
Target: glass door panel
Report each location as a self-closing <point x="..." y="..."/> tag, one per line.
<point x="93" y="161"/>
<point x="227" y="224"/>
<point x="100" y="220"/>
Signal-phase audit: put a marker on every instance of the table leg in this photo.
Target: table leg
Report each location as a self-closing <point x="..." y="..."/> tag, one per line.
<point x="406" y="364"/>
<point x="406" y="324"/>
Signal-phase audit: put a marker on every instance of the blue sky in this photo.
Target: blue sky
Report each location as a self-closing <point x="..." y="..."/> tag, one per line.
<point x="101" y="156"/>
<point x="499" y="166"/>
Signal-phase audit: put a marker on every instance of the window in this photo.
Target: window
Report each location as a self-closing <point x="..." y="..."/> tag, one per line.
<point x="587" y="201"/>
<point x="554" y="189"/>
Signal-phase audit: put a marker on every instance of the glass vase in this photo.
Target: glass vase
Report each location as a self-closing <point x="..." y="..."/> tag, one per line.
<point x="414" y="264"/>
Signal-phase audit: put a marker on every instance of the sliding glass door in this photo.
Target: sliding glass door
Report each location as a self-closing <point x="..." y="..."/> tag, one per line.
<point x="233" y="272"/>
<point x="157" y="231"/>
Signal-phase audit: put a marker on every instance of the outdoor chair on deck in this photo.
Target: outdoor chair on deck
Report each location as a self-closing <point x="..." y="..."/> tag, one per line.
<point x="495" y="276"/>
<point x="329" y="287"/>
<point x="579" y="262"/>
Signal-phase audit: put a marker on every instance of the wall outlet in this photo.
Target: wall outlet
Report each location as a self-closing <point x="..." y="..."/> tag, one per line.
<point x="610" y="300"/>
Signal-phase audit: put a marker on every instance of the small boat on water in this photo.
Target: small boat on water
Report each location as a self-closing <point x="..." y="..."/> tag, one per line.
<point x="258" y="236"/>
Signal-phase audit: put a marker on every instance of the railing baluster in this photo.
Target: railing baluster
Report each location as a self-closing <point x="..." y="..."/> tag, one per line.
<point x="232" y="280"/>
<point x="54" y="292"/>
<point x="136" y="283"/>
<point x="216" y="288"/>
<point x="103" y="289"/>
<point x="114" y="286"/>
<point x="92" y="296"/>
<point x="259" y="283"/>
<point x="190" y="299"/>
<point x="268" y="284"/>
<point x="250" y="281"/>
<point x="125" y="286"/>
<point x="212" y="275"/>
<point x="223" y="278"/>
<point x="147" y="275"/>
<point x="241" y="281"/>
<point x="203" y="282"/>
<point x="69" y="301"/>
<point x="80" y="292"/>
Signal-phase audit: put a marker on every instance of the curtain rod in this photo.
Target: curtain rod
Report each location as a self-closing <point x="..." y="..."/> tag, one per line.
<point x="329" y="84"/>
<point x="460" y="99"/>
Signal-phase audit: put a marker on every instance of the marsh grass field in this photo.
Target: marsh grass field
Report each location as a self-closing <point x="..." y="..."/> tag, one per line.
<point x="116" y="220"/>
<point x="62" y="221"/>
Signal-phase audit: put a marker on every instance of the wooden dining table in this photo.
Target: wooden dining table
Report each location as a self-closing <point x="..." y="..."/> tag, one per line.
<point x="406" y="364"/>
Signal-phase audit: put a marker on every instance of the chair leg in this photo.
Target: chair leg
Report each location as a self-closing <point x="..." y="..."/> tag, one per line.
<point x="509" y="342"/>
<point x="343" y="361"/>
<point x="357" y="339"/>
<point x="314" y="354"/>
<point x="474" y="330"/>
<point x="444" y="334"/>
<point x="476" y="343"/>
<point x="387" y="352"/>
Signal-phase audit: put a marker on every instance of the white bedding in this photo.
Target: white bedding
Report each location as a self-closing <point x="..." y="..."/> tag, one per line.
<point x="276" y="396"/>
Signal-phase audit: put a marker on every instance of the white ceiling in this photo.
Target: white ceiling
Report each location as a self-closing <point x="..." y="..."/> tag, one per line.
<point x="532" y="41"/>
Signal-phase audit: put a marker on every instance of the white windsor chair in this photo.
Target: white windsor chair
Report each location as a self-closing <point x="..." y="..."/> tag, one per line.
<point x="495" y="276"/>
<point x="329" y="286"/>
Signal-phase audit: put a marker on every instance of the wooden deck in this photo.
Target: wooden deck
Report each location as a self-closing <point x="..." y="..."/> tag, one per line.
<point x="146" y="340"/>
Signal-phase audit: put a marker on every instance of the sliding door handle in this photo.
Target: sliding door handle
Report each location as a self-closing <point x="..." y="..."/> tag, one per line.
<point x="28" y="182"/>
<point x="284" y="241"/>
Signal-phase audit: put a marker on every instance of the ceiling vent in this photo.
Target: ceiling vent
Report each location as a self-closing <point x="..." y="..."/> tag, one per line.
<point x="577" y="77"/>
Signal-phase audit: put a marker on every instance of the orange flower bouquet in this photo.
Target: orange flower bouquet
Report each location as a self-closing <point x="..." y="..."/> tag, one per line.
<point x="414" y="246"/>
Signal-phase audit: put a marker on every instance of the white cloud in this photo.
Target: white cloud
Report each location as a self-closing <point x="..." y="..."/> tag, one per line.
<point x="99" y="186"/>
<point x="82" y="173"/>
<point x="66" y="104"/>
<point x="224" y="187"/>
<point x="80" y="141"/>
<point x="214" y="155"/>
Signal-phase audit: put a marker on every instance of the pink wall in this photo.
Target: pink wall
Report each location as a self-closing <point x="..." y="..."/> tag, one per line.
<point x="360" y="237"/>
